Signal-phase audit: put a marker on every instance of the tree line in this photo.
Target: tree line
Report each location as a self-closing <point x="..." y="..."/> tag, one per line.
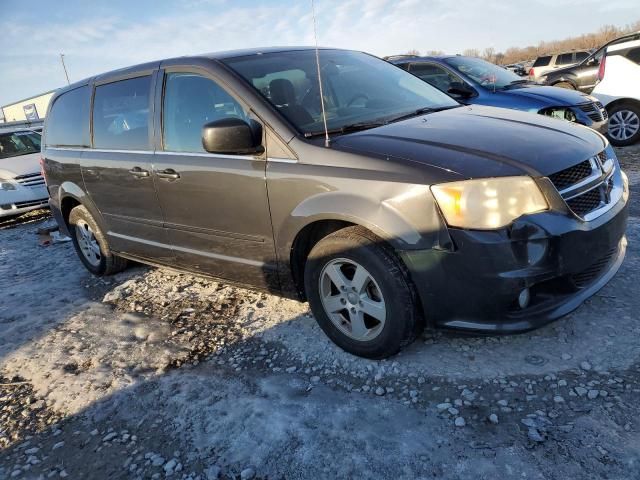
<point x="586" y="41"/>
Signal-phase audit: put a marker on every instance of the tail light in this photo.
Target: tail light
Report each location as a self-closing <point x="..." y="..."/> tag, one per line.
<point x="42" y="169"/>
<point x="532" y="73"/>
<point x="601" y="69"/>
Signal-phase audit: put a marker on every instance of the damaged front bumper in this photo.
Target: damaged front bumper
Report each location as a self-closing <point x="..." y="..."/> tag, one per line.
<point x="519" y="278"/>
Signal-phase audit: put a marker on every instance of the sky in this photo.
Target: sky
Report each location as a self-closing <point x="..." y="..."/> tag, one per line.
<point x="98" y="36"/>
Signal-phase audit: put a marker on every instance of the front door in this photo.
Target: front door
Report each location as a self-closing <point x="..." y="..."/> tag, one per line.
<point x="117" y="170"/>
<point x="215" y="206"/>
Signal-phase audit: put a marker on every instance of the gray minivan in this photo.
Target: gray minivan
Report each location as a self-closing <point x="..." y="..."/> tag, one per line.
<point x="382" y="201"/>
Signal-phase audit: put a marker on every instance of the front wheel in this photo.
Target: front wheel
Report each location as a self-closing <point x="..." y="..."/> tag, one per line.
<point x="361" y="294"/>
<point x="624" y="124"/>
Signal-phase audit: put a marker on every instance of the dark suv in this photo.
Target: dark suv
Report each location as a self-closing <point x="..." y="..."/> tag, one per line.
<point x="412" y="210"/>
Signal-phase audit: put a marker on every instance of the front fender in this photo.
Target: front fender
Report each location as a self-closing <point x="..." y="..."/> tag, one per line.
<point x="404" y="215"/>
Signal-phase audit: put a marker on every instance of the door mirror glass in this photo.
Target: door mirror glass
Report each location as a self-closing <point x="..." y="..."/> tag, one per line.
<point x="232" y="136"/>
<point x="460" y="89"/>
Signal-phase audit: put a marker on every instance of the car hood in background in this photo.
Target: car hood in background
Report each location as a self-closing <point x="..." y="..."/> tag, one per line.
<point x="20" y="165"/>
<point x="477" y="141"/>
<point x="553" y="96"/>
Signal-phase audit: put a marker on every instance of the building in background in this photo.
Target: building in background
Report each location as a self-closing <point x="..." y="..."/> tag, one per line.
<point x="33" y="108"/>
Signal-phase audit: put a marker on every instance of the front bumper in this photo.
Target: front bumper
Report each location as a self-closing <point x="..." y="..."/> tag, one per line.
<point x="22" y="200"/>
<point x="561" y="260"/>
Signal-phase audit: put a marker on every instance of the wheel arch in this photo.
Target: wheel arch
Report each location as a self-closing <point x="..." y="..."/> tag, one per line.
<point x="407" y="219"/>
<point x="69" y="196"/>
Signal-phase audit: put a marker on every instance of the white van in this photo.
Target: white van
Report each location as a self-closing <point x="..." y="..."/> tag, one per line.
<point x="618" y="88"/>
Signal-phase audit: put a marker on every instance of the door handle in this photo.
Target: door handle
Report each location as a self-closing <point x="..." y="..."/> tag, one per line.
<point x="138" y="172"/>
<point x="168" y="173"/>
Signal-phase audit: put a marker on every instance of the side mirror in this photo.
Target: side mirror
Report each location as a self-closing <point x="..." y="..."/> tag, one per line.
<point x="461" y="89"/>
<point x="232" y="136"/>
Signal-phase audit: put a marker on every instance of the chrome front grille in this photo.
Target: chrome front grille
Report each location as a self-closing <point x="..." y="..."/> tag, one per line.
<point x="566" y="178"/>
<point x="594" y="110"/>
<point x="32" y="180"/>
<point x="589" y="188"/>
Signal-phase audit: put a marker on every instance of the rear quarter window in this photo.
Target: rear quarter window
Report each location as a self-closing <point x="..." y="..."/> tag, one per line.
<point x="634" y="55"/>
<point x="542" y="61"/>
<point x="68" y="120"/>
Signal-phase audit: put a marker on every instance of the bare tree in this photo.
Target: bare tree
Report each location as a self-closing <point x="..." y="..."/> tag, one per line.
<point x="489" y="54"/>
<point x="471" y="52"/>
<point x="413" y="51"/>
<point x="581" y="42"/>
<point x="434" y="52"/>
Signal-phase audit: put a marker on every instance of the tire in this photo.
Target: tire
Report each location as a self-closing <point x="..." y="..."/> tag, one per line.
<point x="385" y="285"/>
<point x="98" y="260"/>
<point x="624" y="124"/>
<point x="566" y="85"/>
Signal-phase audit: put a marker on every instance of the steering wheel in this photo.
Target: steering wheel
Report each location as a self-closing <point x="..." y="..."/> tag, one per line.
<point x="356" y="97"/>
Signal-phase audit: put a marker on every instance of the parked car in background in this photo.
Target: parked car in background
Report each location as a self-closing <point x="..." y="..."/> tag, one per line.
<point x="22" y="187"/>
<point x="474" y="81"/>
<point x="411" y="204"/>
<point x="517" y="68"/>
<point x="584" y="75"/>
<point x="618" y="88"/>
<point x="547" y="63"/>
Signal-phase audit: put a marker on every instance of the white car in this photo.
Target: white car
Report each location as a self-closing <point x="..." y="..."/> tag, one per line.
<point x="22" y="186"/>
<point x="618" y="89"/>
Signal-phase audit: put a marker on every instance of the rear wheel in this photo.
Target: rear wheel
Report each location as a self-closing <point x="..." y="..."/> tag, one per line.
<point x="361" y="295"/>
<point x="566" y="85"/>
<point x="91" y="244"/>
<point x="624" y="124"/>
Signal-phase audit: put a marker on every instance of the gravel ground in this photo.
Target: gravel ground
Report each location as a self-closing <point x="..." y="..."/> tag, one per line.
<point x="153" y="374"/>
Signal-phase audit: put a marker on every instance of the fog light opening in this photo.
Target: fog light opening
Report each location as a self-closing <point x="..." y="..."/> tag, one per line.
<point x="524" y="298"/>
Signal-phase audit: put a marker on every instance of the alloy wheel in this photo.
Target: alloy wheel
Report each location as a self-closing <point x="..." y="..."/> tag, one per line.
<point x="352" y="299"/>
<point x="623" y="125"/>
<point x="88" y="244"/>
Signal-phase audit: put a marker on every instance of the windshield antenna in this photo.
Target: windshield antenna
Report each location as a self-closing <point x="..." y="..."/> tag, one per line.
<point x="327" y="142"/>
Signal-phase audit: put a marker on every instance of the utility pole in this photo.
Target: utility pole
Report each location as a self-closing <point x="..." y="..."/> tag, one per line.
<point x="65" y="68"/>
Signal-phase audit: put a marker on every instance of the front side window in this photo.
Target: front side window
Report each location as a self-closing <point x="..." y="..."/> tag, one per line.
<point x="357" y="88"/>
<point x="434" y="75"/>
<point x="485" y="74"/>
<point x="190" y="102"/>
<point x="121" y="115"/>
<point x="19" y="143"/>
<point x="68" y="120"/>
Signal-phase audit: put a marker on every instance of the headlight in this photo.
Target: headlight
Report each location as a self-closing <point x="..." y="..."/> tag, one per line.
<point x="488" y="203"/>
<point x="6" y="185"/>
<point x="561" y="113"/>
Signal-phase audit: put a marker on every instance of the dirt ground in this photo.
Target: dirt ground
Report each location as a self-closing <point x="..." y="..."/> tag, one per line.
<point x="152" y="374"/>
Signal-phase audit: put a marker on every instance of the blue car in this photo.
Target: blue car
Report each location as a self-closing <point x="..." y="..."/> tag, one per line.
<point x="474" y="81"/>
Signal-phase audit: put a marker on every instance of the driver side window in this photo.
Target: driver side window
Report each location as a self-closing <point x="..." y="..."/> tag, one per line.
<point x="434" y="75"/>
<point x="190" y="102"/>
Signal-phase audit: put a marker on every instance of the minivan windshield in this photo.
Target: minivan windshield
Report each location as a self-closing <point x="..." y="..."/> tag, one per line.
<point x="360" y="91"/>
<point x="14" y="144"/>
<point x="484" y="73"/>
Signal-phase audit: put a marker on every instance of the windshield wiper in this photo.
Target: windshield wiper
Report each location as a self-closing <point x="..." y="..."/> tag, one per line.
<point x="516" y="83"/>
<point x="352" y="127"/>
<point x="422" y="111"/>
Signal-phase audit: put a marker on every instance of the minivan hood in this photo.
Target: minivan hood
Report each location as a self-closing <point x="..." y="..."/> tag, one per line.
<point x="477" y="141"/>
<point x="21" y="165"/>
<point x="552" y="96"/>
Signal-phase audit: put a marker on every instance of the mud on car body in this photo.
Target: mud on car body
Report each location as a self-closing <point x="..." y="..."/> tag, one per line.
<point x="417" y="211"/>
